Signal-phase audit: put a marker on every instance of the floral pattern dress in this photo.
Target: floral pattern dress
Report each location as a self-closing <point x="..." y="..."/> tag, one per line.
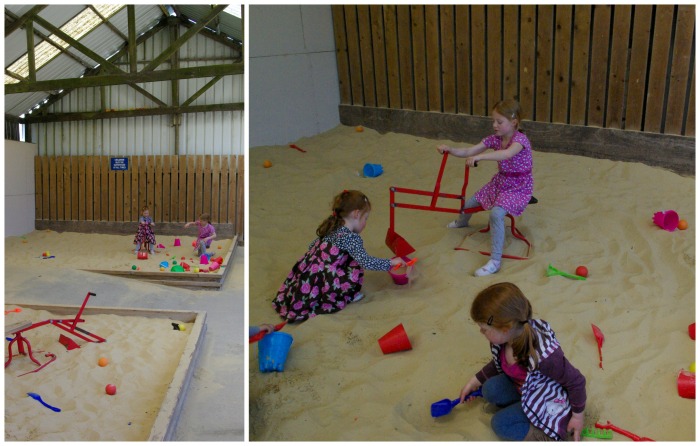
<point x="145" y="233"/>
<point x="327" y="277"/>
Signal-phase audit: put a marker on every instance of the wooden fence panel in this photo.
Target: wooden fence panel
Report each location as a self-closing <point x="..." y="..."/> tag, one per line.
<point x="135" y="183"/>
<point x="38" y="208"/>
<point x="215" y="192"/>
<point x="165" y="214"/>
<point x="238" y="197"/>
<point x="616" y="66"/>
<point x="74" y="188"/>
<point x="690" y="119"/>
<point x="126" y="200"/>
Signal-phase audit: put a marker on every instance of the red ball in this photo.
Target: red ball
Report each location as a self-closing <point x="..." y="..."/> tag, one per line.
<point x="582" y="271"/>
<point x="111" y="389"/>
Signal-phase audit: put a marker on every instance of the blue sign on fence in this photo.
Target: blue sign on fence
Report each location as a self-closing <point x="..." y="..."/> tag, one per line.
<point x="119" y="163"/>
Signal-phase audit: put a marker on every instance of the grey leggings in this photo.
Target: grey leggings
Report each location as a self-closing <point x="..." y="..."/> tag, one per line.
<point x="497" y="223"/>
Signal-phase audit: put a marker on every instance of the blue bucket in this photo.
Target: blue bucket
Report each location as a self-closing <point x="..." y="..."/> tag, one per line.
<point x="372" y="170"/>
<point x="272" y="351"/>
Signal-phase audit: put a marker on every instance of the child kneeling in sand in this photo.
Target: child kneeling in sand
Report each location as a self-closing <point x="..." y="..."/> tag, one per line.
<point x="329" y="276"/>
<point x="540" y="394"/>
<point x="207" y="233"/>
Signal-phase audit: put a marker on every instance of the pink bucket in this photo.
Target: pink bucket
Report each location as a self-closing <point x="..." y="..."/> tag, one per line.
<point x="400" y="276"/>
<point x="667" y="220"/>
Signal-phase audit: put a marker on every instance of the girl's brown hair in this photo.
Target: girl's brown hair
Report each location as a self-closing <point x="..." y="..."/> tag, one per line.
<point x="510" y="108"/>
<point x="503" y="306"/>
<point x="343" y="204"/>
<point x="145" y="208"/>
<point x="205" y="217"/>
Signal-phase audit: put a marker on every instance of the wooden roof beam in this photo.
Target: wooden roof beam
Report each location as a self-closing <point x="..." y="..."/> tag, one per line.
<point x="19" y="22"/>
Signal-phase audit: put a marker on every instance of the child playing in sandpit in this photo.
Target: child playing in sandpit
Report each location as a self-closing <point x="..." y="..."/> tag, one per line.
<point x="207" y="233"/>
<point x="510" y="190"/>
<point x="145" y="233"/>
<point x="541" y="395"/>
<point x="329" y="276"/>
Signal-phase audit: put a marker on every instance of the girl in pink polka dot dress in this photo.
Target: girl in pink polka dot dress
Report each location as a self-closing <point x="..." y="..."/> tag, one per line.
<point x="510" y="189"/>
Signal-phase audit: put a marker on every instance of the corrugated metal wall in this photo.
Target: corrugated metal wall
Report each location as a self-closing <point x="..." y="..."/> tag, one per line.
<point x="213" y="133"/>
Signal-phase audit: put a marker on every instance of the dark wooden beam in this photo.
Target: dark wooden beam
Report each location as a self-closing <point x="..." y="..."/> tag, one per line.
<point x="107" y="23"/>
<point x="125" y="78"/>
<point x="131" y="11"/>
<point x="21" y="20"/>
<point x="146" y="93"/>
<point x="222" y="38"/>
<point x="87" y="116"/>
<point x="184" y="38"/>
<point x="199" y="92"/>
<point x="14" y="75"/>
<point x="31" y="59"/>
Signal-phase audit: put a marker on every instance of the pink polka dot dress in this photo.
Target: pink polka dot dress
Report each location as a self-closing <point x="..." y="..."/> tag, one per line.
<point x="511" y="188"/>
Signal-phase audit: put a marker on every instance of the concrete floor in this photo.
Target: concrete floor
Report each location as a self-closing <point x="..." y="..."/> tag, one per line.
<point x="215" y="403"/>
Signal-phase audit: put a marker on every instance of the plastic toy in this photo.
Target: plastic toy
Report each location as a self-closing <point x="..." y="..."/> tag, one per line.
<point x="396" y="340"/>
<point x="133" y="267"/>
<point x="164" y="264"/>
<point x="161" y="246"/>
<point x="296" y="147"/>
<point x="582" y="271"/>
<point x="142" y="255"/>
<point x="599" y="339"/>
<point x="38" y="398"/>
<point x="259" y="336"/>
<point x="621" y="431"/>
<point x="16" y="310"/>
<point x="67" y="342"/>
<point x="204" y="260"/>
<point x="372" y="170"/>
<point x="214" y="266"/>
<point x="686" y="384"/>
<point x="401" y="247"/>
<point x="53" y="358"/>
<point x="443" y="407"/>
<point x="185" y="266"/>
<point x="177" y="242"/>
<point x="102" y="362"/>
<point x="592" y="432"/>
<point x="110" y="389"/>
<point x="552" y="271"/>
<point x="359" y="128"/>
<point x="267" y="164"/>
<point x="667" y="220"/>
<point x="682" y="225"/>
<point x="273" y="350"/>
<point x="691" y="330"/>
<point x="402" y="278"/>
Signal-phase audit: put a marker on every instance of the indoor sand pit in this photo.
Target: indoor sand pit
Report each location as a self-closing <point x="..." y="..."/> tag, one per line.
<point x="337" y="384"/>
<point x="148" y="361"/>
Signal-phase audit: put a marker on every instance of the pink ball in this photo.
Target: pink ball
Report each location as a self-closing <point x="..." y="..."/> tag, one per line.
<point x="111" y="389"/>
<point x="582" y="271"/>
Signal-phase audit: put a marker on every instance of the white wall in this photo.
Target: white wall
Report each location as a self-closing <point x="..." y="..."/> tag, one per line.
<point x="19" y="187"/>
<point x="293" y="74"/>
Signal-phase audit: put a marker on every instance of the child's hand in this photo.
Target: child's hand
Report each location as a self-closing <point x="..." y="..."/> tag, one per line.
<point x="471" y="386"/>
<point x="472" y="161"/>
<point x="397" y="261"/>
<point x="442" y="148"/>
<point x="268" y="328"/>
<point x="576" y="425"/>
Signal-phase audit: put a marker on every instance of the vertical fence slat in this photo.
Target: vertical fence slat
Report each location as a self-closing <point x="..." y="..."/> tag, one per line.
<point x="690" y="119"/>
<point x="67" y="205"/>
<point x="579" y="72"/>
<point x="447" y="57"/>
<point x="198" y="185"/>
<point x="224" y="217"/>
<point x="191" y="193"/>
<point x="379" y="55"/>
<point x="150" y="182"/>
<point x="494" y="60"/>
<point x="354" y="59"/>
<point x="528" y="20"/>
<point x="104" y="188"/>
<point x="510" y="51"/>
<point x="680" y="64"/>
<point x="183" y="169"/>
<point x="59" y="189"/>
<point x="158" y="194"/>
<point x="206" y="188"/>
<point x="174" y="192"/>
<point x="239" y="197"/>
<point x="478" y="59"/>
<point x="135" y="188"/>
<point x="95" y="189"/>
<point x="143" y="189"/>
<point x="599" y="54"/>
<point x="562" y="64"/>
<point x="126" y="200"/>
<point x="365" y="36"/>
<point x="392" y="56"/>
<point x="55" y="188"/>
<point x="658" y="69"/>
<point x="215" y="192"/>
<point x="617" y="79"/>
<point x="545" y="25"/>
<point x="165" y="214"/>
<point x="39" y="192"/>
<point x="81" y="187"/>
<point x="119" y="195"/>
<point x="419" y="71"/>
<point x="45" y="187"/>
<point x="341" y="52"/>
<point x="74" y="188"/>
<point x="463" y="42"/>
<point x="432" y="46"/>
<point x="112" y="203"/>
<point x="233" y="190"/>
<point x="403" y="20"/>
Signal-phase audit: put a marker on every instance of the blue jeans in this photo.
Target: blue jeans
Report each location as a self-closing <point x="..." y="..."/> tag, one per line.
<point x="496" y="221"/>
<point x="509" y="423"/>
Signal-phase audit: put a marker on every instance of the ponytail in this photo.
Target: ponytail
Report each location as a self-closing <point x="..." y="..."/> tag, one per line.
<point x="343" y="204"/>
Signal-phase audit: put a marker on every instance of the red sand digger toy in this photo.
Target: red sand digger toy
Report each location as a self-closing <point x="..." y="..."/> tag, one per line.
<point x="401" y="247"/>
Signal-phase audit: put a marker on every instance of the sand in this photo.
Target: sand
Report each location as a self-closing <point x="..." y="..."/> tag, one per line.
<point x="337" y="384"/>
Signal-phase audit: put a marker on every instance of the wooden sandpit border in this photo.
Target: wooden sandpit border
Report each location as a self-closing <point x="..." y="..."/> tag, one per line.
<point x="169" y="413"/>
<point x="213" y="280"/>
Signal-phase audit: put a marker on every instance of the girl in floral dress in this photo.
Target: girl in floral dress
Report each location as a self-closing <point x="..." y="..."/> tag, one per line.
<point x="145" y="232"/>
<point x="329" y="276"/>
<point x="510" y="189"/>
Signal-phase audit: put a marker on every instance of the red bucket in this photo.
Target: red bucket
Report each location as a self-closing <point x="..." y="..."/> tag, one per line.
<point x="686" y="384"/>
<point x="395" y="341"/>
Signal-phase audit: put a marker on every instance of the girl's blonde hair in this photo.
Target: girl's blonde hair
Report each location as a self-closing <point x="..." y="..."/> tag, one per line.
<point x="503" y="306"/>
<point x="343" y="204"/>
<point x="510" y="108"/>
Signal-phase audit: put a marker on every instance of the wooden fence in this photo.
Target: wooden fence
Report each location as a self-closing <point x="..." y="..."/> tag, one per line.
<point x="625" y="67"/>
<point x="176" y="189"/>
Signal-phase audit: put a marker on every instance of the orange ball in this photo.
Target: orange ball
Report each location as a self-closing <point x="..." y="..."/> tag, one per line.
<point x="359" y="129"/>
<point x="102" y="362"/>
<point x="682" y="225"/>
<point x="267" y="164"/>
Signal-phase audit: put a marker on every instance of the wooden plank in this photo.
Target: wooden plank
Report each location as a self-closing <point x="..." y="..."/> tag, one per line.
<point x="58" y="200"/>
<point x="528" y="21"/>
<point x="14" y="328"/>
<point x="224" y="216"/>
<point x="680" y="70"/>
<point x="463" y="50"/>
<point x="157" y="211"/>
<point x="447" y="58"/>
<point x="510" y="51"/>
<point x="341" y="53"/>
<point x="392" y="56"/>
<point x="189" y="191"/>
<point x="494" y="58"/>
<point x="143" y="179"/>
<point x="39" y="193"/>
<point x="91" y="310"/>
<point x="636" y="86"/>
<point x="354" y="57"/>
<point x="198" y="186"/>
<point x="379" y="55"/>
<point x="104" y="191"/>
<point x="150" y="182"/>
<point x="545" y="33"/>
<point x="112" y="176"/>
<point x="165" y="214"/>
<point x="174" y="192"/>
<point x="46" y="188"/>
<point x="658" y="68"/>
<point x="599" y="53"/>
<point x="90" y="188"/>
<point x="690" y="119"/>
<point x="617" y="78"/>
<point x="240" y="201"/>
<point x="366" y="56"/>
<point x="122" y="228"/>
<point x="215" y="192"/>
<point x="135" y="188"/>
<point x="432" y="47"/>
<point x="80" y="163"/>
<point x="67" y="197"/>
<point x="118" y="195"/>
<point x="478" y="60"/>
<point x="562" y="63"/>
<point x="126" y="200"/>
<point x="206" y="189"/>
<point x="74" y="188"/>
<point x="182" y="189"/>
<point x="579" y="74"/>
<point x="420" y="77"/>
<point x="403" y="21"/>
